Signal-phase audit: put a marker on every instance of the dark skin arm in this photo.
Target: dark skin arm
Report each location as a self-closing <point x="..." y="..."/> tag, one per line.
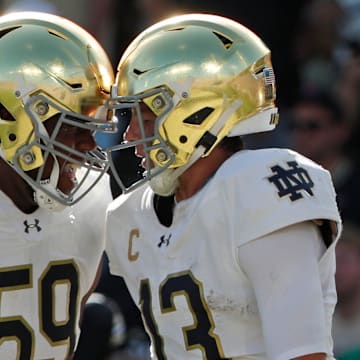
<point x="317" y="356"/>
<point x="93" y="286"/>
<point x="91" y="290"/>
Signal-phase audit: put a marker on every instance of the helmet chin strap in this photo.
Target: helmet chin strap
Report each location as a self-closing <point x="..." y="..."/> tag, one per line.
<point x="44" y="200"/>
<point x="166" y="183"/>
<point x="41" y="197"/>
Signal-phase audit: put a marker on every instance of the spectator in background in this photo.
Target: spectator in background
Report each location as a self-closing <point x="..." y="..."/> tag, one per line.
<point x="348" y="92"/>
<point x="346" y="321"/>
<point x="32" y="5"/>
<point x="348" y="85"/>
<point x="320" y="132"/>
<point x="318" y="45"/>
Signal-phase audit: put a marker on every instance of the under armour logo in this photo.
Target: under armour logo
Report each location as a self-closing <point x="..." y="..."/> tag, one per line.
<point x="164" y="241"/>
<point x="32" y="226"/>
<point x="291" y="181"/>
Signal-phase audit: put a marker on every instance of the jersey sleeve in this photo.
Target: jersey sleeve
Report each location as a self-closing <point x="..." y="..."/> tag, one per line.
<point x="294" y="299"/>
<point x="266" y="190"/>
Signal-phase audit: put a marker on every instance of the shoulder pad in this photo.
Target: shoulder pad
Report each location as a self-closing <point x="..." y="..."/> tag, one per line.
<point x="266" y="190"/>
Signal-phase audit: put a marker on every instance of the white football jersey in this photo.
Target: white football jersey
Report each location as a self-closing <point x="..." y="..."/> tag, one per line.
<point x="48" y="262"/>
<point x="196" y="300"/>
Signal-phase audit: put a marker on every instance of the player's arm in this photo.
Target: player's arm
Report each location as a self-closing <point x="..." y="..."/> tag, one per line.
<point x="318" y="356"/>
<point x="93" y="286"/>
<point x="86" y="297"/>
<point x="283" y="268"/>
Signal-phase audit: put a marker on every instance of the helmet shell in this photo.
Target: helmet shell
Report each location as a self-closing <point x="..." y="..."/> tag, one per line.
<point x="44" y="54"/>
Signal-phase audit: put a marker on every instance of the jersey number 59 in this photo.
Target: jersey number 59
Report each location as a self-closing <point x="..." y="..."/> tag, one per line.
<point x="16" y="327"/>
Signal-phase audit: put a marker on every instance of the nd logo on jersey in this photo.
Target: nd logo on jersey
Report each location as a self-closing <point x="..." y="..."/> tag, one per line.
<point x="292" y="181"/>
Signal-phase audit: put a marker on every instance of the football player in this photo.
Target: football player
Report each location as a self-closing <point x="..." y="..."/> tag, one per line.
<point x="54" y="79"/>
<point x="228" y="252"/>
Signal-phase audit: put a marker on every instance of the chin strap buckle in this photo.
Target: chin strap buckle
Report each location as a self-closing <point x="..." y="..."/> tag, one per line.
<point x="207" y="141"/>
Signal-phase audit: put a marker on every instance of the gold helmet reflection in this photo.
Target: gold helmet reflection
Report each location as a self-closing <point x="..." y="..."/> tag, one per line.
<point x="49" y="56"/>
<point x="205" y="77"/>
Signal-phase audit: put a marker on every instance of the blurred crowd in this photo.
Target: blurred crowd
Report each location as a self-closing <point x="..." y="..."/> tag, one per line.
<point x="316" y="56"/>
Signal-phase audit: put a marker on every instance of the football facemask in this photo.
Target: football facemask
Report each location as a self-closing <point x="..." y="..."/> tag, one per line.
<point x="51" y="68"/>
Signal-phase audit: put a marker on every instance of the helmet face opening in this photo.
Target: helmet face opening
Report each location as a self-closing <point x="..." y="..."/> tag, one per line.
<point x="132" y="111"/>
<point x="219" y="82"/>
<point x="52" y="145"/>
<point x="52" y="69"/>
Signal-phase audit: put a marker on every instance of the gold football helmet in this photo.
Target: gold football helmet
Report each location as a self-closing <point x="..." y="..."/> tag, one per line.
<point x="205" y="77"/>
<point x="50" y="67"/>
